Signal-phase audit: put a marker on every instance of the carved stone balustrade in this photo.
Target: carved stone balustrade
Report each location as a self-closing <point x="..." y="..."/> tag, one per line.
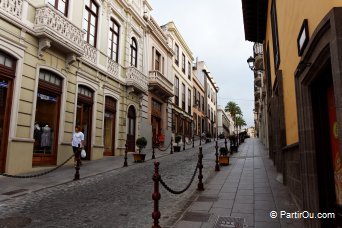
<point x="160" y="85"/>
<point x="90" y="53"/>
<point x="136" y="80"/>
<point x="113" y="68"/>
<point x="54" y="28"/>
<point x="11" y="7"/>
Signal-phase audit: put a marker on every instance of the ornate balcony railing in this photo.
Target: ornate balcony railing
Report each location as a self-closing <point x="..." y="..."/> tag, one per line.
<point x="258" y="49"/>
<point x="113" y="68"/>
<point x="52" y="24"/>
<point x="90" y="53"/>
<point x="257" y="81"/>
<point x="159" y="82"/>
<point x="136" y="79"/>
<point x="12" y="7"/>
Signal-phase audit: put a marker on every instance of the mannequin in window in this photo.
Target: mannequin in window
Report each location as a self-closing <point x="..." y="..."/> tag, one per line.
<point x="46" y="136"/>
<point x="37" y="134"/>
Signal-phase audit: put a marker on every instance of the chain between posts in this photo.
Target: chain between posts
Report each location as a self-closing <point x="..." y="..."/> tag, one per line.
<point x="164" y="149"/>
<point x="39" y="174"/>
<point x="181" y="191"/>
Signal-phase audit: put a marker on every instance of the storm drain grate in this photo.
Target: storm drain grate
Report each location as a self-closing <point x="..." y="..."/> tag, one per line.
<point x="225" y="222"/>
<point x="196" y="217"/>
<point x="207" y="198"/>
<point x="14" y="192"/>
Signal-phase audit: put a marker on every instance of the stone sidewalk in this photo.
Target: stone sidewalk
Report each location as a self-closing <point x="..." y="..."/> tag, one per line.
<point x="246" y="190"/>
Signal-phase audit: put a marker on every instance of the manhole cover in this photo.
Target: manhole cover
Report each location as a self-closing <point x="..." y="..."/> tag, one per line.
<point x="228" y="222"/>
<point x="207" y="198"/>
<point x="14" y="192"/>
<point x="196" y="217"/>
<point x="15" y="222"/>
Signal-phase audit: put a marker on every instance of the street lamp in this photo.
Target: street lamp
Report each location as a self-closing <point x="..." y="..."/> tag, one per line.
<point x="250" y="62"/>
<point x="256" y="64"/>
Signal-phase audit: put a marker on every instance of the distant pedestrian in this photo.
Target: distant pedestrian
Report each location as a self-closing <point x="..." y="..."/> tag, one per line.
<point x="77" y="139"/>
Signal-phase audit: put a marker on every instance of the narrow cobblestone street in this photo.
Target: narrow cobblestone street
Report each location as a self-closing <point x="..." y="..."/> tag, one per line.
<point x="120" y="198"/>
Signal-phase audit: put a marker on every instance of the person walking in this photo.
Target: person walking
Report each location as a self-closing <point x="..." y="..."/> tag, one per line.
<point x="77" y="139"/>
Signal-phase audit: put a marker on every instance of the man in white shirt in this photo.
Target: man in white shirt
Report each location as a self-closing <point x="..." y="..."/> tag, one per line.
<point x="77" y="139"/>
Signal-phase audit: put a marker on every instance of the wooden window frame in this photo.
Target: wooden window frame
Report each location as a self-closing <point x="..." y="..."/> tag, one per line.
<point x="183" y="63"/>
<point x="176" y="91"/>
<point x="183" y="96"/>
<point x="189" y="70"/>
<point x="134" y="52"/>
<point x="275" y="37"/>
<point x="90" y="13"/>
<point x="113" y="34"/>
<point x="65" y="9"/>
<point x="189" y="101"/>
<point x="177" y="54"/>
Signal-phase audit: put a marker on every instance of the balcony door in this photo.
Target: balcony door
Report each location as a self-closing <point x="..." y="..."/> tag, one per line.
<point x="131" y="119"/>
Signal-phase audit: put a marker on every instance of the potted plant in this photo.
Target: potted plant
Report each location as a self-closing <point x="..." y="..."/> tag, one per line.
<point x="177" y="148"/>
<point x="141" y="144"/>
<point x="233" y="143"/>
<point x="223" y="158"/>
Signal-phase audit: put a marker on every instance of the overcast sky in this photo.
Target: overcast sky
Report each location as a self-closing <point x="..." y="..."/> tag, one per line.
<point x="214" y="32"/>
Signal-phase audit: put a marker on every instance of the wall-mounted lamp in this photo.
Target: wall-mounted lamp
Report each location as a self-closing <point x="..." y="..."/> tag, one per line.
<point x="255" y="64"/>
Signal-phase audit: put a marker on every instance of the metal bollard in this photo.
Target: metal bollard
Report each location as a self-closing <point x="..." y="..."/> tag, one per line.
<point x="183" y="142"/>
<point x="156" y="196"/>
<point x="78" y="163"/>
<point x="200" y="167"/>
<point x="153" y="156"/>
<point x="225" y="143"/>
<point x="171" y="146"/>
<point x="125" y="162"/>
<point x="193" y="141"/>
<point x="217" y="167"/>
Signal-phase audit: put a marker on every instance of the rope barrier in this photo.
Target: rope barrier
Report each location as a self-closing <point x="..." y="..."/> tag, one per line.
<point x="38" y="174"/>
<point x="164" y="149"/>
<point x="175" y="191"/>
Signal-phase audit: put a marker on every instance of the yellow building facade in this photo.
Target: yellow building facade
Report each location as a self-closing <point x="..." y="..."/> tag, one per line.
<point x="302" y="74"/>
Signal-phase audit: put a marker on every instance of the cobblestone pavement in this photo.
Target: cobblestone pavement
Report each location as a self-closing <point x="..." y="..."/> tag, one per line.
<point x="120" y="198"/>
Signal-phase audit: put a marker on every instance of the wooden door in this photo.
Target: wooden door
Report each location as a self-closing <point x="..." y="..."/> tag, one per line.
<point x="131" y="119"/>
<point x="7" y="74"/>
<point x="109" y="127"/>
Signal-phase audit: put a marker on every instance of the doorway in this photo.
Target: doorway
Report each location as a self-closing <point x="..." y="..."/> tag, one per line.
<point x="84" y="115"/>
<point x="7" y="74"/>
<point x="329" y="170"/>
<point x="131" y="119"/>
<point x="109" y="127"/>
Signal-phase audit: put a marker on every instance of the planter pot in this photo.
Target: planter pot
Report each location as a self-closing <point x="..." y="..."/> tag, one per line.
<point x="139" y="157"/>
<point x="176" y="148"/>
<point x="224" y="160"/>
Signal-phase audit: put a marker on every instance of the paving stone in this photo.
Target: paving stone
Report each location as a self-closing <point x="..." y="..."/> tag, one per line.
<point x="224" y="204"/>
<point x="242" y="208"/>
<point x="266" y="225"/>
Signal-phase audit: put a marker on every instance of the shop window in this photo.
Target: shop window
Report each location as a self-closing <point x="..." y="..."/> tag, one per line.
<point x="47" y="115"/>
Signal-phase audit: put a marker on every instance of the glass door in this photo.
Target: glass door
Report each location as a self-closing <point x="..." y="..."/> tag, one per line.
<point x="83" y="119"/>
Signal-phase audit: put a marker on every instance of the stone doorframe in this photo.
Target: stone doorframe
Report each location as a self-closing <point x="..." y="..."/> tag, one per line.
<point x="324" y="47"/>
